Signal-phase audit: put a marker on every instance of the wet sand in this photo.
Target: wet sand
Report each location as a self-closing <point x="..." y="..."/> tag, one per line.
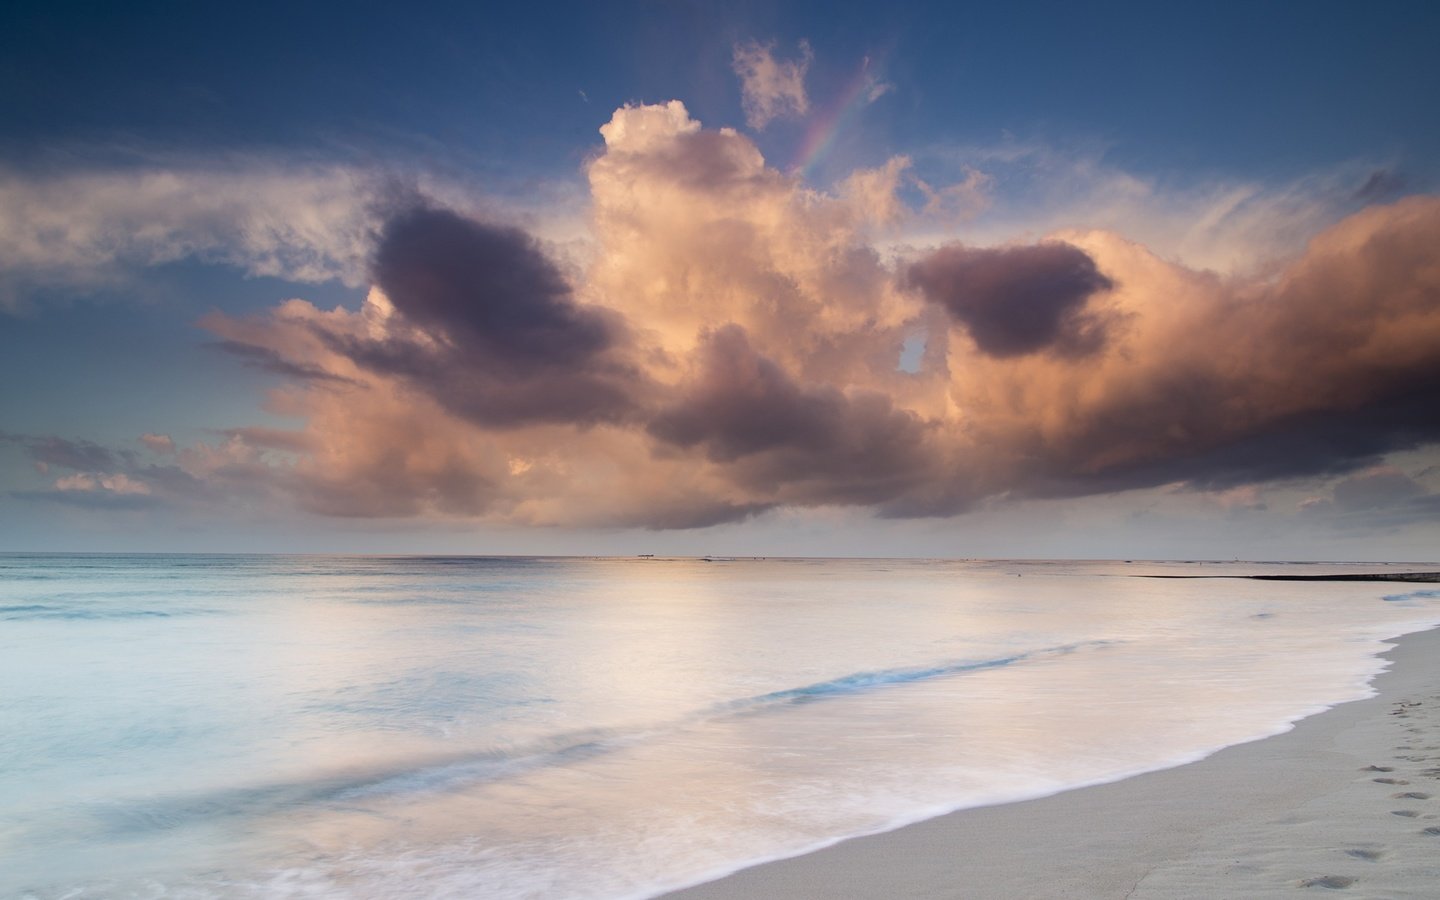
<point x="1346" y="803"/>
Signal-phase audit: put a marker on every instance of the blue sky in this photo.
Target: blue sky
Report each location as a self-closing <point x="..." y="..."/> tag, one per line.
<point x="174" y="173"/>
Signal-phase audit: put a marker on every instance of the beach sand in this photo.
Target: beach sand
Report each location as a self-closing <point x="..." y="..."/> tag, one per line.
<point x="1347" y="803"/>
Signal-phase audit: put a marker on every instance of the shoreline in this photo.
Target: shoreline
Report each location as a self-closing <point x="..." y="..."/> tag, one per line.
<point x="1302" y="809"/>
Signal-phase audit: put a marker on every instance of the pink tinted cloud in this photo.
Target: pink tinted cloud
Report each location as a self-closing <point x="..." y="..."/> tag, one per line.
<point x="732" y="345"/>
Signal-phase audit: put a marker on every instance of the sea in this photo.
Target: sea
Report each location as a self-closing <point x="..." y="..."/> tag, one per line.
<point x="190" y="726"/>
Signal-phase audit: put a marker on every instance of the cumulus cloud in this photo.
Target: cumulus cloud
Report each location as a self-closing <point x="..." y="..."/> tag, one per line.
<point x="732" y="343"/>
<point x="771" y="88"/>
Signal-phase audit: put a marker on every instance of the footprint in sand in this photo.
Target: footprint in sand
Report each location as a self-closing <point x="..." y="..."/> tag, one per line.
<point x="1407" y="813"/>
<point x="1389" y="781"/>
<point x="1378" y="769"/>
<point x="1367" y="855"/>
<point x="1433" y="831"/>
<point x="1411" y="795"/>
<point x="1333" y="882"/>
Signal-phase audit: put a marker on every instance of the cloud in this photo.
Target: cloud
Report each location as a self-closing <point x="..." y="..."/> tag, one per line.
<point x="810" y="444"/>
<point x="161" y="444"/>
<point x="268" y="360"/>
<point x="731" y="342"/>
<point x="1378" y="487"/>
<point x="1232" y="226"/>
<point x="480" y="319"/>
<point x="77" y="482"/>
<point x="270" y="438"/>
<point x="1016" y="300"/>
<point x="487" y="287"/>
<point x="771" y="88"/>
<point x="1320" y="367"/>
<point x="95" y="491"/>
<point x="118" y="483"/>
<point x="87" y="229"/>
<point x="1378" y="498"/>
<point x="51" y="450"/>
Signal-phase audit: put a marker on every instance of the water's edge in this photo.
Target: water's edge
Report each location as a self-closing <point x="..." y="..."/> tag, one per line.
<point x="714" y="884"/>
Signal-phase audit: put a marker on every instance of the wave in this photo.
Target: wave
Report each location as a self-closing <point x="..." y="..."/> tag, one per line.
<point x="859" y="682"/>
<point x="493" y="764"/>
<point x="1412" y="595"/>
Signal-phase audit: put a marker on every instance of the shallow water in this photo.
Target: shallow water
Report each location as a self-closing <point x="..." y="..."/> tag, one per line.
<point x="196" y="726"/>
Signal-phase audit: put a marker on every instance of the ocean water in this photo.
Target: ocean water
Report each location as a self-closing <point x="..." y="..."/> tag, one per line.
<point x="307" y="726"/>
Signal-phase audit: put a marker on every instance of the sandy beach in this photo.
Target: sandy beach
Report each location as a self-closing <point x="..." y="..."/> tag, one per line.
<point x="1348" y="802"/>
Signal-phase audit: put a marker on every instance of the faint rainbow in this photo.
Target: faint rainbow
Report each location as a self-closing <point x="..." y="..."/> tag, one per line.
<point x="827" y="125"/>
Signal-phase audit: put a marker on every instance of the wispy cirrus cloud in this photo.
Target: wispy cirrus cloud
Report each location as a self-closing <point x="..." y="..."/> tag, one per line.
<point x="89" y="228"/>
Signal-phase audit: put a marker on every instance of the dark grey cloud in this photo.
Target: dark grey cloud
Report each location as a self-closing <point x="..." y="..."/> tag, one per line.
<point x="1017" y="300"/>
<point x="497" y="336"/>
<point x="1190" y="440"/>
<point x="82" y="456"/>
<point x="815" y="443"/>
<point x="488" y="288"/>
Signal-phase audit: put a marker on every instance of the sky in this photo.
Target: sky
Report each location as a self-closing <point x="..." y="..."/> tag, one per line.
<point x="1113" y="280"/>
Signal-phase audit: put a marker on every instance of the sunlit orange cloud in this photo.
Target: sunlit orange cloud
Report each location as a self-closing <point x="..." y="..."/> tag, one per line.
<point x="733" y="342"/>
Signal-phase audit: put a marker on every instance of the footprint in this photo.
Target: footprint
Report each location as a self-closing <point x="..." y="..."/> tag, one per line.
<point x="1411" y="795"/>
<point x="1334" y="882"/>
<point x="1367" y="855"/>
<point x="1378" y="769"/>
<point x="1432" y="830"/>
<point x="1389" y="781"/>
<point x="1407" y="813"/>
